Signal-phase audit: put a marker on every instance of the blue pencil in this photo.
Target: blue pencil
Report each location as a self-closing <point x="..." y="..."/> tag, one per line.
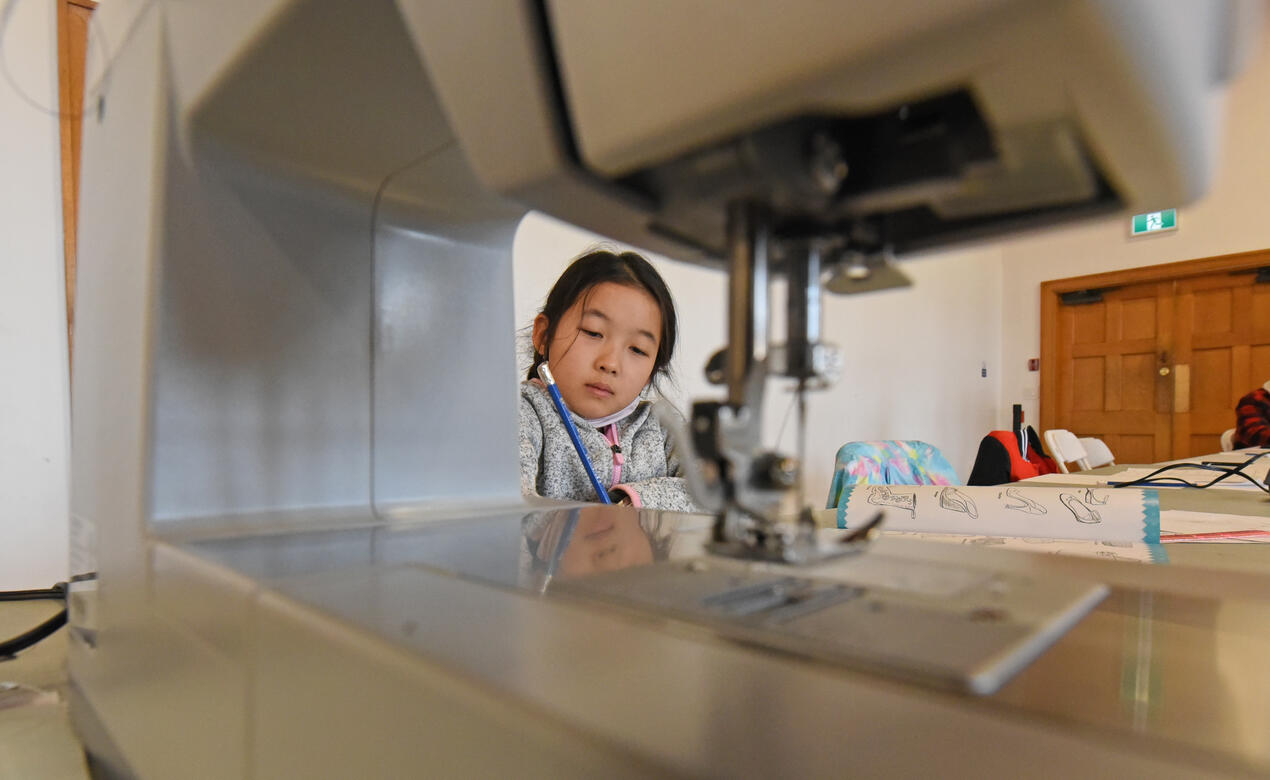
<point x="544" y="374"/>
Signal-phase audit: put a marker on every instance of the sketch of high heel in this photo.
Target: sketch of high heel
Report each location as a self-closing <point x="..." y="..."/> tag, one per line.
<point x="1026" y="505"/>
<point x="881" y="495"/>
<point x="1082" y="513"/>
<point x="953" y="499"/>
<point x="1093" y="498"/>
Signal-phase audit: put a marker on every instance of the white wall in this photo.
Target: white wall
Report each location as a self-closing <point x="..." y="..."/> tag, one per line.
<point x="33" y="361"/>
<point x="912" y="358"/>
<point x="913" y="362"/>
<point x="1231" y="218"/>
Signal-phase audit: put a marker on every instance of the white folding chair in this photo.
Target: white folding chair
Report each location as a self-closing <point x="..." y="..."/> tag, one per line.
<point x="1097" y="453"/>
<point x="1066" y="448"/>
<point x="1228" y="440"/>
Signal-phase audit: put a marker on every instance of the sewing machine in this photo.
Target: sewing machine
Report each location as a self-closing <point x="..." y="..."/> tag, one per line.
<point x="301" y="552"/>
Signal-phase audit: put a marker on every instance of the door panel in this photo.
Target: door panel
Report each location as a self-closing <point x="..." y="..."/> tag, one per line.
<point x="1137" y="381"/>
<point x="1135" y="449"/>
<point x="1223" y="327"/>
<point x="1088" y="375"/>
<point x="1260" y="313"/>
<point x="1259" y="365"/>
<point x="1109" y="356"/>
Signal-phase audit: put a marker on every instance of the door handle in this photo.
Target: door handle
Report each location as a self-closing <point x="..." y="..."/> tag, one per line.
<point x="1164" y="370"/>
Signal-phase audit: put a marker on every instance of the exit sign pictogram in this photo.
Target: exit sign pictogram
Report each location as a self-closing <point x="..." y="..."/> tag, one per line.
<point x="1154" y="222"/>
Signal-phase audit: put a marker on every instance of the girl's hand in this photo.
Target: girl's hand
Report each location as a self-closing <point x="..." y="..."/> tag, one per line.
<point x="619" y="497"/>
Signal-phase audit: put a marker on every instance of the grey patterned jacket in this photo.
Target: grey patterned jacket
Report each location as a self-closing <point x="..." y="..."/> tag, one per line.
<point x="549" y="465"/>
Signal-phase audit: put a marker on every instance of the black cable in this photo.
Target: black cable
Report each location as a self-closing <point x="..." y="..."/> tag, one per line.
<point x="22" y="641"/>
<point x="1236" y="470"/>
<point x="55" y="593"/>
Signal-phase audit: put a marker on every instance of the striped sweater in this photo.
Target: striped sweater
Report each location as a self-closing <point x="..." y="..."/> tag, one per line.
<point x="549" y="466"/>
<point x="1252" y="419"/>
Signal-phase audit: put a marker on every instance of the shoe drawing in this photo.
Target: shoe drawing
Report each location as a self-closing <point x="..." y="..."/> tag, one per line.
<point x="1025" y="504"/>
<point x="953" y="499"/>
<point x="881" y="495"/>
<point x="1082" y="513"/>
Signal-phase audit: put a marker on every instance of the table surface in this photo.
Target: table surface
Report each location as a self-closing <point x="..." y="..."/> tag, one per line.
<point x="1243" y="557"/>
<point x="37" y="740"/>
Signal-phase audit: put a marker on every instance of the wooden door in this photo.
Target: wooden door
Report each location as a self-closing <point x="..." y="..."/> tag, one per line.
<point x="1112" y="344"/>
<point x="1154" y="359"/>
<point x="1222" y="350"/>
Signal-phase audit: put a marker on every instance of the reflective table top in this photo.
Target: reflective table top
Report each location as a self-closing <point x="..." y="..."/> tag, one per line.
<point x="1175" y="655"/>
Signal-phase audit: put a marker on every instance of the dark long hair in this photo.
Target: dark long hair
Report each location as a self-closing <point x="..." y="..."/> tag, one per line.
<point x="624" y="268"/>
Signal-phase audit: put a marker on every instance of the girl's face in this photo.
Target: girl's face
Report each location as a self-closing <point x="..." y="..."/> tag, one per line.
<point x="604" y="348"/>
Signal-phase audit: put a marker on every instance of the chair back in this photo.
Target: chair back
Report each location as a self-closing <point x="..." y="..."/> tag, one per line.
<point x="892" y="462"/>
<point x="1228" y="440"/>
<point x="1066" y="448"/>
<point x="1097" y="453"/>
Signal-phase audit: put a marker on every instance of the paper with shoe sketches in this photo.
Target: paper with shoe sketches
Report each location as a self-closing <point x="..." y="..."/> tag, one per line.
<point x="1082" y="513"/>
<point x="1139" y="552"/>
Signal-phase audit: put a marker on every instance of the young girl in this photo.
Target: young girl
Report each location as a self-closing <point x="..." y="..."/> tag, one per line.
<point x="607" y="330"/>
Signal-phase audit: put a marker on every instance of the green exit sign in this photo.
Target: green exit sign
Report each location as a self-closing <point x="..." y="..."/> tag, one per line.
<point x="1154" y="222"/>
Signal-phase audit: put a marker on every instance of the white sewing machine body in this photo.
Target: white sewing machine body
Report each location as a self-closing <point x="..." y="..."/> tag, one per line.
<point x="296" y="229"/>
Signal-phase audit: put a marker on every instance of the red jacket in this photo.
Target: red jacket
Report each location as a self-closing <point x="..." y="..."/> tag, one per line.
<point x="999" y="460"/>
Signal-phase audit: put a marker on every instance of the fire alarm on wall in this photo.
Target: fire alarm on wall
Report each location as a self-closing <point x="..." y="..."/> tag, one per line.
<point x="1033" y="364"/>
